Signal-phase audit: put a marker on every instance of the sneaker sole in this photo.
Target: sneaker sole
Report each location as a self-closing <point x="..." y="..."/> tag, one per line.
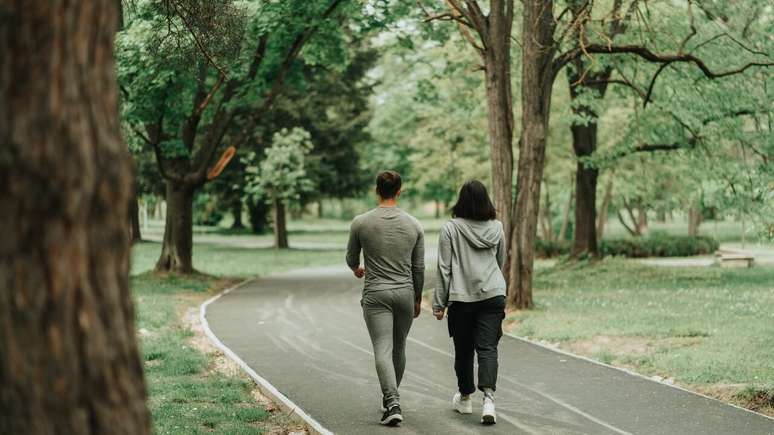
<point x="488" y="419"/>
<point x="392" y="420"/>
<point x="466" y="411"/>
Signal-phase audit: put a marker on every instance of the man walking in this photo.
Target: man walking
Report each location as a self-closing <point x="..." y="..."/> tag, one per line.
<point x="393" y="247"/>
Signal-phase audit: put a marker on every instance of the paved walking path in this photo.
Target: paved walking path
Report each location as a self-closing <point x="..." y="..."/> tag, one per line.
<point x="303" y="332"/>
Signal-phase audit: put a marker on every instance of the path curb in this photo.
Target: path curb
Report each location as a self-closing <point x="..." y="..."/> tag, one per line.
<point x="267" y="389"/>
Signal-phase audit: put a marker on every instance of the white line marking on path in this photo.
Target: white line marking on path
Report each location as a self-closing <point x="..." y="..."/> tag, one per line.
<point x="265" y="386"/>
<point x="630" y="372"/>
<point x="544" y="395"/>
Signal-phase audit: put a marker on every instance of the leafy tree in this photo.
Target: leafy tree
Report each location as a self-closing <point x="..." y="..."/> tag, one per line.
<point x="200" y="75"/>
<point x="281" y="177"/>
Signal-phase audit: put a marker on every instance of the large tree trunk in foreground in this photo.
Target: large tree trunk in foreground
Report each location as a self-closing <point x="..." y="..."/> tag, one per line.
<point x="537" y="80"/>
<point x="69" y="361"/>
<point x="177" y="247"/>
<point x="280" y="225"/>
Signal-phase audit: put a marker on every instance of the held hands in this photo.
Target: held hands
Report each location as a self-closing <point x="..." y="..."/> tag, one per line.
<point x="439" y="314"/>
<point x="359" y="272"/>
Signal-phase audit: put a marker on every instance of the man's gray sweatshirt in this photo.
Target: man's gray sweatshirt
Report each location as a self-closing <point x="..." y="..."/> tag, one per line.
<point x="470" y="260"/>
<point x="393" y="246"/>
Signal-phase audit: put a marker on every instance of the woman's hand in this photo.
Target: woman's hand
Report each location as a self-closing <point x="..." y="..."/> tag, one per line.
<point x="439" y="314"/>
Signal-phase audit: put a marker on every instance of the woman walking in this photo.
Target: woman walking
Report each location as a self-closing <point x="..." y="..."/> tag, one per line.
<point x="471" y="253"/>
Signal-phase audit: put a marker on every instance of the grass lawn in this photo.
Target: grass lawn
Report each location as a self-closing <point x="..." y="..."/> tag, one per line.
<point x="190" y="391"/>
<point x="709" y="329"/>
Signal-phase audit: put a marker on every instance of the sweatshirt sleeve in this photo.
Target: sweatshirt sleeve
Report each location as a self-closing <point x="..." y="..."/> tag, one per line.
<point x="441" y="297"/>
<point x="418" y="265"/>
<point x="353" y="247"/>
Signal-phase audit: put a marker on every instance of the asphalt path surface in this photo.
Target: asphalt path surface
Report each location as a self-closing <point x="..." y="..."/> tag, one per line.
<point x="303" y="331"/>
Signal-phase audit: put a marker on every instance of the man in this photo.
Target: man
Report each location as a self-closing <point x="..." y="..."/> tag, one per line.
<point x="393" y="247"/>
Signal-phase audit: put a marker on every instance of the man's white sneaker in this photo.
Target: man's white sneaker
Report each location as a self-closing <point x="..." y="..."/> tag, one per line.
<point x="488" y="413"/>
<point x="463" y="406"/>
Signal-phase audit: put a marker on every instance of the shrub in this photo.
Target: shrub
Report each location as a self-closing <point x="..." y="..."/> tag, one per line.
<point x="655" y="245"/>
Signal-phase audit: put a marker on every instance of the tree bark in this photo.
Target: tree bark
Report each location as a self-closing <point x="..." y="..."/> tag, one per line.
<point x="602" y="215"/>
<point x="566" y="215"/>
<point x="280" y="225"/>
<point x="134" y="216"/>
<point x="537" y="80"/>
<point x="545" y="211"/>
<point x="642" y="220"/>
<point x="499" y="105"/>
<point x="69" y="360"/>
<point x="177" y="247"/>
<point x="694" y="220"/>
<point x="320" y="209"/>
<point x="236" y="210"/>
<point x="585" y="230"/>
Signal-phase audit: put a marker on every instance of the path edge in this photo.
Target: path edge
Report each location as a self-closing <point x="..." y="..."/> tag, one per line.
<point x="630" y="372"/>
<point x="266" y="388"/>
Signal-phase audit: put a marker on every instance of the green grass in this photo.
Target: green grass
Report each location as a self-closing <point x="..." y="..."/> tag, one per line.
<point x="238" y="262"/>
<point x="703" y="326"/>
<point x="186" y="394"/>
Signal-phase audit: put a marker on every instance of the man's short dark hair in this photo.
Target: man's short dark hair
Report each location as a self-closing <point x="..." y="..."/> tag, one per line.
<point x="474" y="203"/>
<point x="388" y="184"/>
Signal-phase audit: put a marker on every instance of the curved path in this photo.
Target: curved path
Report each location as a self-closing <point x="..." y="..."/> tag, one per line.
<point x="304" y="333"/>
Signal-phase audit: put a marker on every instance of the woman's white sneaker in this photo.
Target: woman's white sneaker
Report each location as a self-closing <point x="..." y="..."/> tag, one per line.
<point x="488" y="414"/>
<point x="463" y="406"/>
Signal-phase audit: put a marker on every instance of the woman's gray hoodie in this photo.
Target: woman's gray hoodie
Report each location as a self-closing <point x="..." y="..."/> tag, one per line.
<point x="470" y="260"/>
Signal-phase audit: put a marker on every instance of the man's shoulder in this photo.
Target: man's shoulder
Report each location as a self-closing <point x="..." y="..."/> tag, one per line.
<point x="413" y="220"/>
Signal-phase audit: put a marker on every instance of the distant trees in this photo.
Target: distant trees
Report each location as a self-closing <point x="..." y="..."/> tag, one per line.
<point x="69" y="361"/>
<point x="281" y="177"/>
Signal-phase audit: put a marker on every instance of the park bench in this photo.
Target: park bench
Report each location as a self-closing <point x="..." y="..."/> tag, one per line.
<point x="729" y="258"/>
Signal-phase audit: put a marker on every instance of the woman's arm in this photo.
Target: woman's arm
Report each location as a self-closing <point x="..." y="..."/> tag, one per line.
<point x="441" y="296"/>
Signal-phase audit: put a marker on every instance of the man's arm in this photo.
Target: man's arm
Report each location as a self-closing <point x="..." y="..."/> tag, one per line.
<point x="418" y="265"/>
<point x="441" y="296"/>
<point x="353" y="250"/>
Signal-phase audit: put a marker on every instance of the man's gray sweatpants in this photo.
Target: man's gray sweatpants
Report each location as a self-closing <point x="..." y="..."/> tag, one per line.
<point x="388" y="315"/>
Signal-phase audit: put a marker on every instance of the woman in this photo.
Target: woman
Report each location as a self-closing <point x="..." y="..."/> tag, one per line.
<point x="471" y="252"/>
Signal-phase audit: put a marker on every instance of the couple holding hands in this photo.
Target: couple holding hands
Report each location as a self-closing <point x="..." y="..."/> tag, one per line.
<point x="470" y="290"/>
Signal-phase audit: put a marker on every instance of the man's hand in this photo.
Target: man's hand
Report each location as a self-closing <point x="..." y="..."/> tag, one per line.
<point x="359" y="271"/>
<point x="439" y="314"/>
<point x="417" y="308"/>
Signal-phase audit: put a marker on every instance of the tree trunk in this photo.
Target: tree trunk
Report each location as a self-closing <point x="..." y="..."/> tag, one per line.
<point x="134" y="216"/>
<point x="437" y="209"/>
<point x="584" y="141"/>
<point x="602" y="215"/>
<point x="566" y="215"/>
<point x="176" y="250"/>
<point x="537" y="80"/>
<point x="694" y="220"/>
<point x="320" y="209"/>
<point x="500" y="116"/>
<point x="642" y="220"/>
<point x="546" y="223"/>
<point x="236" y="210"/>
<point x="69" y="360"/>
<point x="280" y="226"/>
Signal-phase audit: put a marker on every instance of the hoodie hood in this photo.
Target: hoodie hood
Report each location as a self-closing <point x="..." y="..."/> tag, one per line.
<point x="480" y="234"/>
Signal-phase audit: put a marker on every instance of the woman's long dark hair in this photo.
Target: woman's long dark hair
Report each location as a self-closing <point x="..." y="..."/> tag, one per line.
<point x="473" y="203"/>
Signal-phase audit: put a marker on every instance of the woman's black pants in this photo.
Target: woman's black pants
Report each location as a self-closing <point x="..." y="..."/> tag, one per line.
<point x="476" y="327"/>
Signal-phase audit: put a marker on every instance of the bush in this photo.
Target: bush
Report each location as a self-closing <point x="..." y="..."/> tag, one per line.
<point x="655" y="245"/>
<point x="659" y="245"/>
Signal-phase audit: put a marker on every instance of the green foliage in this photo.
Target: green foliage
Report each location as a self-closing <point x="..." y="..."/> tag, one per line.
<point x="659" y="245"/>
<point x="281" y="175"/>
